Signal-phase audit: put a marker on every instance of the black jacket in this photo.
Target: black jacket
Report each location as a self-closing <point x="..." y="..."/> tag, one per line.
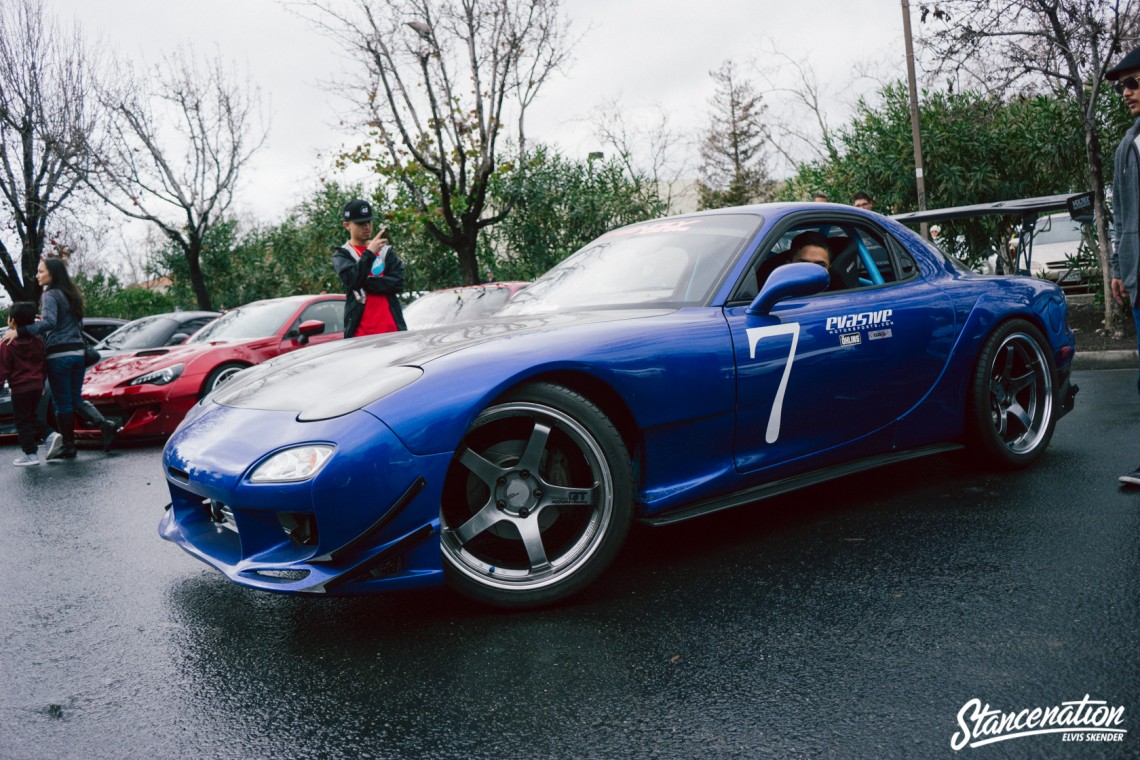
<point x="358" y="285"/>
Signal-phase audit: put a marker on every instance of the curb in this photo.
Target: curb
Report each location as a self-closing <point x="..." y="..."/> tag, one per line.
<point x="1106" y="360"/>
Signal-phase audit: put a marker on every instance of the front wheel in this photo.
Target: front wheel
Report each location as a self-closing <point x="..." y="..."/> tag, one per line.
<point x="1012" y="412"/>
<point x="220" y="375"/>
<point x="537" y="500"/>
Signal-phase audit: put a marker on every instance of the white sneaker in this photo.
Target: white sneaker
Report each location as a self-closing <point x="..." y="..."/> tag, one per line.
<point x="27" y="460"/>
<point x="53" y="445"/>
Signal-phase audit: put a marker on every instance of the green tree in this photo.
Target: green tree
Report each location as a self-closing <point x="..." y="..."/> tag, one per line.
<point x="1066" y="45"/>
<point x="104" y="295"/>
<point x="733" y="165"/>
<point x="977" y="148"/>
<point x="559" y="206"/>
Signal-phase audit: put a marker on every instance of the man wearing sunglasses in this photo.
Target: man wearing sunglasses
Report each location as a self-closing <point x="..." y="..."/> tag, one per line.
<point x="1126" y="203"/>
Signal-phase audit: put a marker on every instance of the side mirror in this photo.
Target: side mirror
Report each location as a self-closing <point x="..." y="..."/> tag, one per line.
<point x="789" y="281"/>
<point x="309" y="328"/>
<point x="177" y="339"/>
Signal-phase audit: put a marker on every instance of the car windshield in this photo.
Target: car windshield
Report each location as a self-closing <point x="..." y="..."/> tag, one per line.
<point x="456" y="305"/>
<point x="257" y="320"/>
<point x="147" y="332"/>
<point x="672" y="263"/>
<point x="1059" y="230"/>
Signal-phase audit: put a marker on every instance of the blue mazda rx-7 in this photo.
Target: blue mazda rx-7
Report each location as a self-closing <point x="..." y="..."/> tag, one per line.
<point x="666" y="370"/>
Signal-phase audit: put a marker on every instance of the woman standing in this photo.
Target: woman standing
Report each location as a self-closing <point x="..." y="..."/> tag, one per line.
<point x="61" y="328"/>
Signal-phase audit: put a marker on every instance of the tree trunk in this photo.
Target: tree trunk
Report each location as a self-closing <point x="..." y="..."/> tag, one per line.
<point x="29" y="262"/>
<point x="197" y="279"/>
<point x="468" y="262"/>
<point x="1096" y="179"/>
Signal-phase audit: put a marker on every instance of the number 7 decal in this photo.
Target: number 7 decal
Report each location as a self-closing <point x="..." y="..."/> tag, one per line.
<point x="754" y="336"/>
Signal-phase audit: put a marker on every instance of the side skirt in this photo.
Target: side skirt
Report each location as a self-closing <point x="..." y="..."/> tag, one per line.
<point x="777" y="487"/>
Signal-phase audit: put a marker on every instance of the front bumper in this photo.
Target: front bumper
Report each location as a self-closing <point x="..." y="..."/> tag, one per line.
<point x="148" y="412"/>
<point x="367" y="522"/>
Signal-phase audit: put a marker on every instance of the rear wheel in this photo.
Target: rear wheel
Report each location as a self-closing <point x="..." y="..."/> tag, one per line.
<point x="1012" y="411"/>
<point x="537" y="500"/>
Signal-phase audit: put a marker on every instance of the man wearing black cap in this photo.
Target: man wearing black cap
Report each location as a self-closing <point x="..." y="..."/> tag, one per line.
<point x="1125" y="257"/>
<point x="372" y="275"/>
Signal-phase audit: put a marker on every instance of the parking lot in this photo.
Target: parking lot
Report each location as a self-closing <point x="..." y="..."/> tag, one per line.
<point x="854" y="619"/>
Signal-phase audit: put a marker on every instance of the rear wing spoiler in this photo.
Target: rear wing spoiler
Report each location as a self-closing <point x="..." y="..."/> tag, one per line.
<point x="1079" y="206"/>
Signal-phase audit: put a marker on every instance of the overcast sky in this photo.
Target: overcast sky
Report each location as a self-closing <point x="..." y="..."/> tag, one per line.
<point x="642" y="51"/>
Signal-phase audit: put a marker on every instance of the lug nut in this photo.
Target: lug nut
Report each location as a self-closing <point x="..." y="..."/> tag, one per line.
<point x="524" y="512"/>
<point x="501" y="504"/>
<point x="524" y="474"/>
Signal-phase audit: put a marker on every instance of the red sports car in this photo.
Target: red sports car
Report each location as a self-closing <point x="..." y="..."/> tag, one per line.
<point x="151" y="390"/>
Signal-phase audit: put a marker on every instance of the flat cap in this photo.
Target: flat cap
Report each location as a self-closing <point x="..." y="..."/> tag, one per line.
<point x="1130" y="62"/>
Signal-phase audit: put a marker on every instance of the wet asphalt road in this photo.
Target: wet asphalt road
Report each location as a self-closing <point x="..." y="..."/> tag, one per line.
<point x="851" y="620"/>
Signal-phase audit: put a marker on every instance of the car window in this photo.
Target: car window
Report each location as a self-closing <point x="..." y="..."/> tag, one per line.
<point x="147" y="332"/>
<point x="860" y="258"/>
<point x="255" y="320"/>
<point x="329" y="312"/>
<point x="1056" y="229"/>
<point x="99" y="331"/>
<point x="456" y="305"/>
<point x="674" y="262"/>
<point x="192" y="326"/>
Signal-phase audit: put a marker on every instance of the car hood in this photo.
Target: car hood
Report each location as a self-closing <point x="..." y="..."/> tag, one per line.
<point x="125" y="366"/>
<point x="304" y="379"/>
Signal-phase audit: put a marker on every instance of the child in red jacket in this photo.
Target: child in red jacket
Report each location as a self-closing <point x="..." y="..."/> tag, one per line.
<point x="22" y="365"/>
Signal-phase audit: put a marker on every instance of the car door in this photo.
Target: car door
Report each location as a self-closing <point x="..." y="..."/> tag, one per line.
<point x="822" y="378"/>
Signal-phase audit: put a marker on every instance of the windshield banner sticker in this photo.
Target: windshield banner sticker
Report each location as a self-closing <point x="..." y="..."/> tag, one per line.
<point x="862" y="321"/>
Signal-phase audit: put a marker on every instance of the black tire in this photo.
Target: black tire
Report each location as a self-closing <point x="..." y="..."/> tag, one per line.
<point x="220" y="375"/>
<point x="537" y="501"/>
<point x="1011" y="410"/>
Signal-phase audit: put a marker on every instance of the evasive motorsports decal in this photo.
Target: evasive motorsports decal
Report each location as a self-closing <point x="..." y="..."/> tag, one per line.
<point x="867" y="320"/>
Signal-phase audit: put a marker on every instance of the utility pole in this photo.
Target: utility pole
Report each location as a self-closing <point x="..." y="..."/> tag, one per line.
<point x="916" y="135"/>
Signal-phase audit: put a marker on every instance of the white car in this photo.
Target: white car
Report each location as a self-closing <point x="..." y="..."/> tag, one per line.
<point x="1056" y="252"/>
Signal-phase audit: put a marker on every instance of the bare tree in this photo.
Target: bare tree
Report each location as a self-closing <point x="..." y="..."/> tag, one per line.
<point x="440" y="75"/>
<point x="645" y="142"/>
<point x="48" y="120"/>
<point x="1068" y="44"/>
<point x="734" y="165"/>
<point x="179" y="140"/>
<point x="803" y="128"/>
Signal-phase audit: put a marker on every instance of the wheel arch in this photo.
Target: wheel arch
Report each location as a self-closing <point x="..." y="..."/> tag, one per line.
<point x="208" y="376"/>
<point x="598" y="392"/>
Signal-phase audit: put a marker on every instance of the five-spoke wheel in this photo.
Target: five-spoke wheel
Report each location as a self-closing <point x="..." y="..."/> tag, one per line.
<point x="1012" y="405"/>
<point x="537" y="500"/>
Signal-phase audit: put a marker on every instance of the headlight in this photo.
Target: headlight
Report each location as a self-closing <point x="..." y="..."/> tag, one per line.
<point x="292" y="465"/>
<point x="159" y="376"/>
